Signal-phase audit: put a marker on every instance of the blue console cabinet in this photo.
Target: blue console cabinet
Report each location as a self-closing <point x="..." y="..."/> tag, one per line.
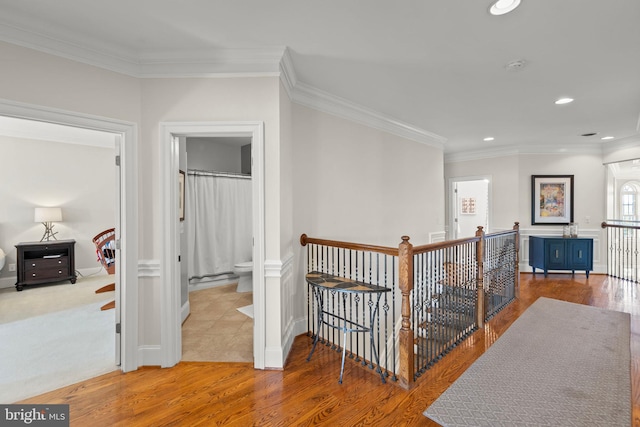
<point x="559" y="253"/>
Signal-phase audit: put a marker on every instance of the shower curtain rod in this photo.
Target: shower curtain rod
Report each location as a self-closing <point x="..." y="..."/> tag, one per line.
<point x="213" y="173"/>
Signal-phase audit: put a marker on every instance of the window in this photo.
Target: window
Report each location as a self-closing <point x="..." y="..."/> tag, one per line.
<point x="629" y="201"/>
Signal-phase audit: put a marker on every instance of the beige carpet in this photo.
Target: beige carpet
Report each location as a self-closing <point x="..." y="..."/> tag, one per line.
<point x="216" y="331"/>
<point x="43" y="299"/>
<point x="54" y="335"/>
<point x="559" y="364"/>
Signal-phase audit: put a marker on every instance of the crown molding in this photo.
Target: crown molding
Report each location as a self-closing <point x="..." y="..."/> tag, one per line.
<point x="317" y="99"/>
<point x="240" y="62"/>
<point x="104" y="57"/>
<point x="630" y="142"/>
<point x="489" y="153"/>
<point x="243" y="62"/>
<point x="309" y="96"/>
<point x="288" y="73"/>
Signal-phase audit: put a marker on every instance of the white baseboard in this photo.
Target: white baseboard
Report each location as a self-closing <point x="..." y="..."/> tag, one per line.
<point x="149" y="355"/>
<point x="273" y="358"/>
<point x="295" y="328"/>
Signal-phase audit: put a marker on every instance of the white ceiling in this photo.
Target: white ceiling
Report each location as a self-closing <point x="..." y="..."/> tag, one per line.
<point x="437" y="67"/>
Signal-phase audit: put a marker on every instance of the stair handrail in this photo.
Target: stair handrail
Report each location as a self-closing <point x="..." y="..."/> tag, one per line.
<point x="606" y="224"/>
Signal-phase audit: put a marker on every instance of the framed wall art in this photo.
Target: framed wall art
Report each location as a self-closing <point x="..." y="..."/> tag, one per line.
<point x="468" y="206"/>
<point x="551" y="199"/>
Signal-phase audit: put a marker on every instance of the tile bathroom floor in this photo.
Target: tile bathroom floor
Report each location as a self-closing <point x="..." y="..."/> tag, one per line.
<point x="216" y="331"/>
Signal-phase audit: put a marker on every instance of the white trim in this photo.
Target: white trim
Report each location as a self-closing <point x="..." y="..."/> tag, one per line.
<point x="537" y="148"/>
<point x="317" y="99"/>
<point x="273" y="268"/>
<point x="150" y="355"/>
<point x="437" y="236"/>
<point x="149" y="268"/>
<point x="219" y="62"/>
<point x="128" y="133"/>
<point x="170" y="334"/>
<point x="223" y="63"/>
<point x="288" y="73"/>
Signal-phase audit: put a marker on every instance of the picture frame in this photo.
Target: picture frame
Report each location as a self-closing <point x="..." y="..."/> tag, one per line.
<point x="468" y="206"/>
<point x="551" y="199"/>
<point x="181" y="179"/>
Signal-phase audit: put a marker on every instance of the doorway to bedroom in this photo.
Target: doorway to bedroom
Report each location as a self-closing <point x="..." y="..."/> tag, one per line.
<point x="73" y="339"/>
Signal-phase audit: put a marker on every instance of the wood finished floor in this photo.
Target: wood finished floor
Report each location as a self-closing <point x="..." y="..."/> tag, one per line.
<point x="308" y="393"/>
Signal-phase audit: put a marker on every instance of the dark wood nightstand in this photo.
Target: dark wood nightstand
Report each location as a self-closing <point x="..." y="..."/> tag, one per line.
<point x="45" y="262"/>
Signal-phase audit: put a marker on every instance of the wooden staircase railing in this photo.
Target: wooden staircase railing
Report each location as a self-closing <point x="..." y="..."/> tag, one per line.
<point x="440" y="293"/>
<point x="623" y="249"/>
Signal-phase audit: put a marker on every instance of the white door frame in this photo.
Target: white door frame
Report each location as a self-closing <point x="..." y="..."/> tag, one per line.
<point x="170" y="306"/>
<point x="453" y="207"/>
<point x="127" y="133"/>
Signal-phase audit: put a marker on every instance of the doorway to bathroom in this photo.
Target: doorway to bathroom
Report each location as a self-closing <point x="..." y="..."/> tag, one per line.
<point x="216" y="249"/>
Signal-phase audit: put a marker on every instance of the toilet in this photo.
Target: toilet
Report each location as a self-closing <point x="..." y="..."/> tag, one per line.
<point x="244" y="271"/>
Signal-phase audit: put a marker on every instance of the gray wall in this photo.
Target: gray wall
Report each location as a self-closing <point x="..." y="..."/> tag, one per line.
<point x="220" y="154"/>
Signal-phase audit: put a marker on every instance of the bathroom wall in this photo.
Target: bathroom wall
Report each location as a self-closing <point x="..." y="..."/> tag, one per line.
<point x="219" y="154"/>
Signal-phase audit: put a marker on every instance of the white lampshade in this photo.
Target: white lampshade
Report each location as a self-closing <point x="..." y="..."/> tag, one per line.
<point x="48" y="215"/>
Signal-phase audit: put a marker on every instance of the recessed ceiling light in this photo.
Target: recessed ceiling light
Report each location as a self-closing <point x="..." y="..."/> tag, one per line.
<point x="503" y="6"/>
<point x="604" y="138"/>
<point x="489" y="138"/>
<point x="564" y="101"/>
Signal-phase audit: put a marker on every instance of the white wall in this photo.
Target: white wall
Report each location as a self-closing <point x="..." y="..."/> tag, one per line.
<point x="78" y="178"/>
<point x="358" y="184"/>
<point x="511" y="194"/>
<point x="505" y="190"/>
<point x="205" y="100"/>
<point x="37" y="78"/>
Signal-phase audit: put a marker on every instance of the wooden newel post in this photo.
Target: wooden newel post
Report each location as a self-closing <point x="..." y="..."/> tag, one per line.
<point x="405" y="279"/>
<point x="480" y="308"/>
<point x="516" y="228"/>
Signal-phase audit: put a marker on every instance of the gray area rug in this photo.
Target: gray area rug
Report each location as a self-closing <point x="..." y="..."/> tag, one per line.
<point x="559" y="364"/>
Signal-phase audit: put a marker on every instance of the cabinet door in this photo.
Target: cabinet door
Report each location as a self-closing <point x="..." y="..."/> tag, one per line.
<point x="555" y="254"/>
<point x="580" y="254"/>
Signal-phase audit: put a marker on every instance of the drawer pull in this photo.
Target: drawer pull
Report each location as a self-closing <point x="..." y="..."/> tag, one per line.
<point x="557" y="254"/>
<point x="59" y="262"/>
<point x="33" y="265"/>
<point x="59" y="271"/>
<point x="33" y="275"/>
<point x="579" y="254"/>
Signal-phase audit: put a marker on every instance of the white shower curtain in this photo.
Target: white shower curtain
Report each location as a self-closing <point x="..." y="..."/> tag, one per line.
<point x="219" y="222"/>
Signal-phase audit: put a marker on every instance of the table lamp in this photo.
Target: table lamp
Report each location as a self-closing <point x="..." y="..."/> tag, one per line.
<point x="47" y="216"/>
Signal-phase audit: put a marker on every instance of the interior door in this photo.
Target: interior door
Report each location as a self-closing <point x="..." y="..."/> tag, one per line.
<point x="470" y="206"/>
